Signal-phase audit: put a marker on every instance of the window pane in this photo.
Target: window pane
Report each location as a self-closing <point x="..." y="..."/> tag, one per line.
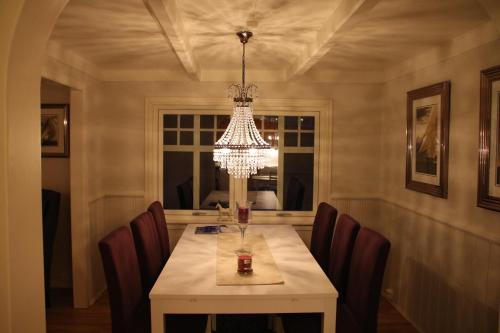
<point x="223" y="121"/>
<point x="307" y="139"/>
<point x="291" y="123"/>
<point x="186" y="138"/>
<point x="219" y="134"/>
<point x="170" y="138"/>
<point x="207" y="121"/>
<point x="170" y="121"/>
<point x="206" y="138"/>
<point x="178" y="180"/>
<point x="214" y="183"/>
<point x="298" y="182"/>
<point x="291" y="139"/>
<point x="270" y="122"/>
<point x="307" y="123"/>
<point x="187" y="121"/>
<point x="271" y="138"/>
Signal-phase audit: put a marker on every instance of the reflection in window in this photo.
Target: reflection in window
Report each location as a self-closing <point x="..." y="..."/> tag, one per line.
<point x="298" y="181"/>
<point x="214" y="183"/>
<point x="178" y="182"/>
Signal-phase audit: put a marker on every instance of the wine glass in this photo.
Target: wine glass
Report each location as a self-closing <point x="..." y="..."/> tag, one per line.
<point x="243" y="217"/>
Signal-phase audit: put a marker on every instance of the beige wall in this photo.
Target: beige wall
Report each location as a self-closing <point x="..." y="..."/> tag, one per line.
<point x="55" y="176"/>
<point x="444" y="267"/>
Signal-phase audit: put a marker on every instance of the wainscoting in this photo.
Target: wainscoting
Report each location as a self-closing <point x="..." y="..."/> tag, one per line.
<point x="441" y="278"/>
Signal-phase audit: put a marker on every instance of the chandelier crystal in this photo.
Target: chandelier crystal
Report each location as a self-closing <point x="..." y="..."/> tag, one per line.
<point x="241" y="149"/>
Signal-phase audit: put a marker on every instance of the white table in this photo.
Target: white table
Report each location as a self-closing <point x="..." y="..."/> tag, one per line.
<point x="187" y="282"/>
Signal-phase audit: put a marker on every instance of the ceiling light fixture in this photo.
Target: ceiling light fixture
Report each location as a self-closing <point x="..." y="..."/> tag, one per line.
<point x="240" y="150"/>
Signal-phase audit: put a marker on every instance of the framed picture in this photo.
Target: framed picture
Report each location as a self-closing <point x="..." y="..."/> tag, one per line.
<point x="488" y="188"/>
<point x="55" y="130"/>
<point x="428" y="119"/>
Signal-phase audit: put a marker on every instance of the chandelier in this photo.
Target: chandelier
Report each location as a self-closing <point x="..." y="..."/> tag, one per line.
<point x="241" y="149"/>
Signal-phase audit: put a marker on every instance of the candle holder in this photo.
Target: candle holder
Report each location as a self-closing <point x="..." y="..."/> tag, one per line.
<point x="245" y="262"/>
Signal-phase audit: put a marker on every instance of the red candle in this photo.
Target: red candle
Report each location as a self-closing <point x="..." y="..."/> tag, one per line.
<point x="245" y="263"/>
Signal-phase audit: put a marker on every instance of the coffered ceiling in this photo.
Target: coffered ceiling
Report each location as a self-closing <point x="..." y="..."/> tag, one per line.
<point x="196" y="38"/>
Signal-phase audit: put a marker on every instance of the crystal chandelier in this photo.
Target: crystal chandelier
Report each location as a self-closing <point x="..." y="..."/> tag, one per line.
<point x="241" y="149"/>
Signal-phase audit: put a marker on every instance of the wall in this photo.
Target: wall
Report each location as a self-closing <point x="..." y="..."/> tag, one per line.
<point x="444" y="268"/>
<point x="55" y="176"/>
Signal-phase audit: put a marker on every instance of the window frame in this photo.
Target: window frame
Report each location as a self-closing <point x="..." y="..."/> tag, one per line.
<point x="319" y="108"/>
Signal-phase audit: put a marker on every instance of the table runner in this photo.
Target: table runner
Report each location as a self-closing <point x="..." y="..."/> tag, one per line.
<point x="264" y="267"/>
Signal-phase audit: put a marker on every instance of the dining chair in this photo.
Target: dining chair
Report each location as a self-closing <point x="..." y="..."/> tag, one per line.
<point x="185" y="194"/>
<point x="149" y="252"/>
<point x="343" y="241"/>
<point x="294" y="194"/>
<point x="130" y="311"/>
<point x="359" y="312"/>
<point x="369" y="257"/>
<point x="50" y="217"/>
<point x="322" y="233"/>
<point x="156" y="209"/>
<point x="129" y="308"/>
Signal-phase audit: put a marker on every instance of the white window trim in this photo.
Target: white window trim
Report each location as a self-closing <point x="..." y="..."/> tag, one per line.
<point x="154" y="106"/>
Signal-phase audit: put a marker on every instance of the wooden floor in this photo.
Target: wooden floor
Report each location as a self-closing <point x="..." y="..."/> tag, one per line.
<point x="61" y="317"/>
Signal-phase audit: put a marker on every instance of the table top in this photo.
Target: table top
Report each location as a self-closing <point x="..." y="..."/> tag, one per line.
<point x="263" y="200"/>
<point x="190" y="270"/>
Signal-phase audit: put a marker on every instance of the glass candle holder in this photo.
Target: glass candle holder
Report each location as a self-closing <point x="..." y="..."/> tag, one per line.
<point x="245" y="262"/>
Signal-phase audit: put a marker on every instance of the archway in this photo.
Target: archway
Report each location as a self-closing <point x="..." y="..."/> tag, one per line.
<point x="22" y="242"/>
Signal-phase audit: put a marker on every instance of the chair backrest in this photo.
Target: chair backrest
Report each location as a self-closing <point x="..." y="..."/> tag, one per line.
<point x="185" y="194"/>
<point x="368" y="262"/>
<point x="343" y="241"/>
<point x="123" y="277"/>
<point x="50" y="217"/>
<point x="147" y="245"/>
<point x="322" y="232"/>
<point x="156" y="209"/>
<point x="294" y="194"/>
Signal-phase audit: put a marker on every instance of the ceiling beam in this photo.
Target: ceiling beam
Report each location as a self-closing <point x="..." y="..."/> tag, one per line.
<point x="324" y="40"/>
<point x="492" y="7"/>
<point x="168" y="17"/>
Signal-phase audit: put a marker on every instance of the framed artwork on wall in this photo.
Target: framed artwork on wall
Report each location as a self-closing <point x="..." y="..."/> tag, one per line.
<point x="54" y="124"/>
<point x="428" y="119"/>
<point x="488" y="187"/>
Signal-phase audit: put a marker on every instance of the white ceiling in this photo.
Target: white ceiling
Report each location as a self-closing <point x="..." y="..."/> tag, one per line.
<point x="291" y="36"/>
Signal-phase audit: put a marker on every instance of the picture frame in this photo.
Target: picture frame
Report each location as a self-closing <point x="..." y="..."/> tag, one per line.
<point x="488" y="188"/>
<point x="428" y="121"/>
<point x="54" y="125"/>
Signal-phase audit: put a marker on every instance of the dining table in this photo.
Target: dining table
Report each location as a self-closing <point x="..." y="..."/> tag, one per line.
<point x="188" y="282"/>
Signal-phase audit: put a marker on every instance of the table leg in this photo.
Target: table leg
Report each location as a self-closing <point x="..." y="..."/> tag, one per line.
<point x="156" y="319"/>
<point x="329" y="317"/>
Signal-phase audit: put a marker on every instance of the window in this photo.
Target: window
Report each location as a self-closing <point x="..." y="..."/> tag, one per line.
<point x="185" y="178"/>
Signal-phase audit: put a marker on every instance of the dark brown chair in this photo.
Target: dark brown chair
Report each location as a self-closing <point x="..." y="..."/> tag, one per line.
<point x="50" y="218"/>
<point x="322" y="233"/>
<point x="343" y="241"/>
<point x="294" y="194"/>
<point x="359" y="312"/>
<point x="149" y="252"/>
<point x="185" y="194"/>
<point x="156" y="209"/>
<point x="129" y="308"/>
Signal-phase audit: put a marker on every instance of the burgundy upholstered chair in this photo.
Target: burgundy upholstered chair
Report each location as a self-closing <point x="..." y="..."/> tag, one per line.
<point x="369" y="257"/>
<point x="340" y="253"/>
<point x="322" y="232"/>
<point x="359" y="312"/>
<point x="149" y="252"/>
<point x="156" y="209"/>
<point x="129" y="308"/>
